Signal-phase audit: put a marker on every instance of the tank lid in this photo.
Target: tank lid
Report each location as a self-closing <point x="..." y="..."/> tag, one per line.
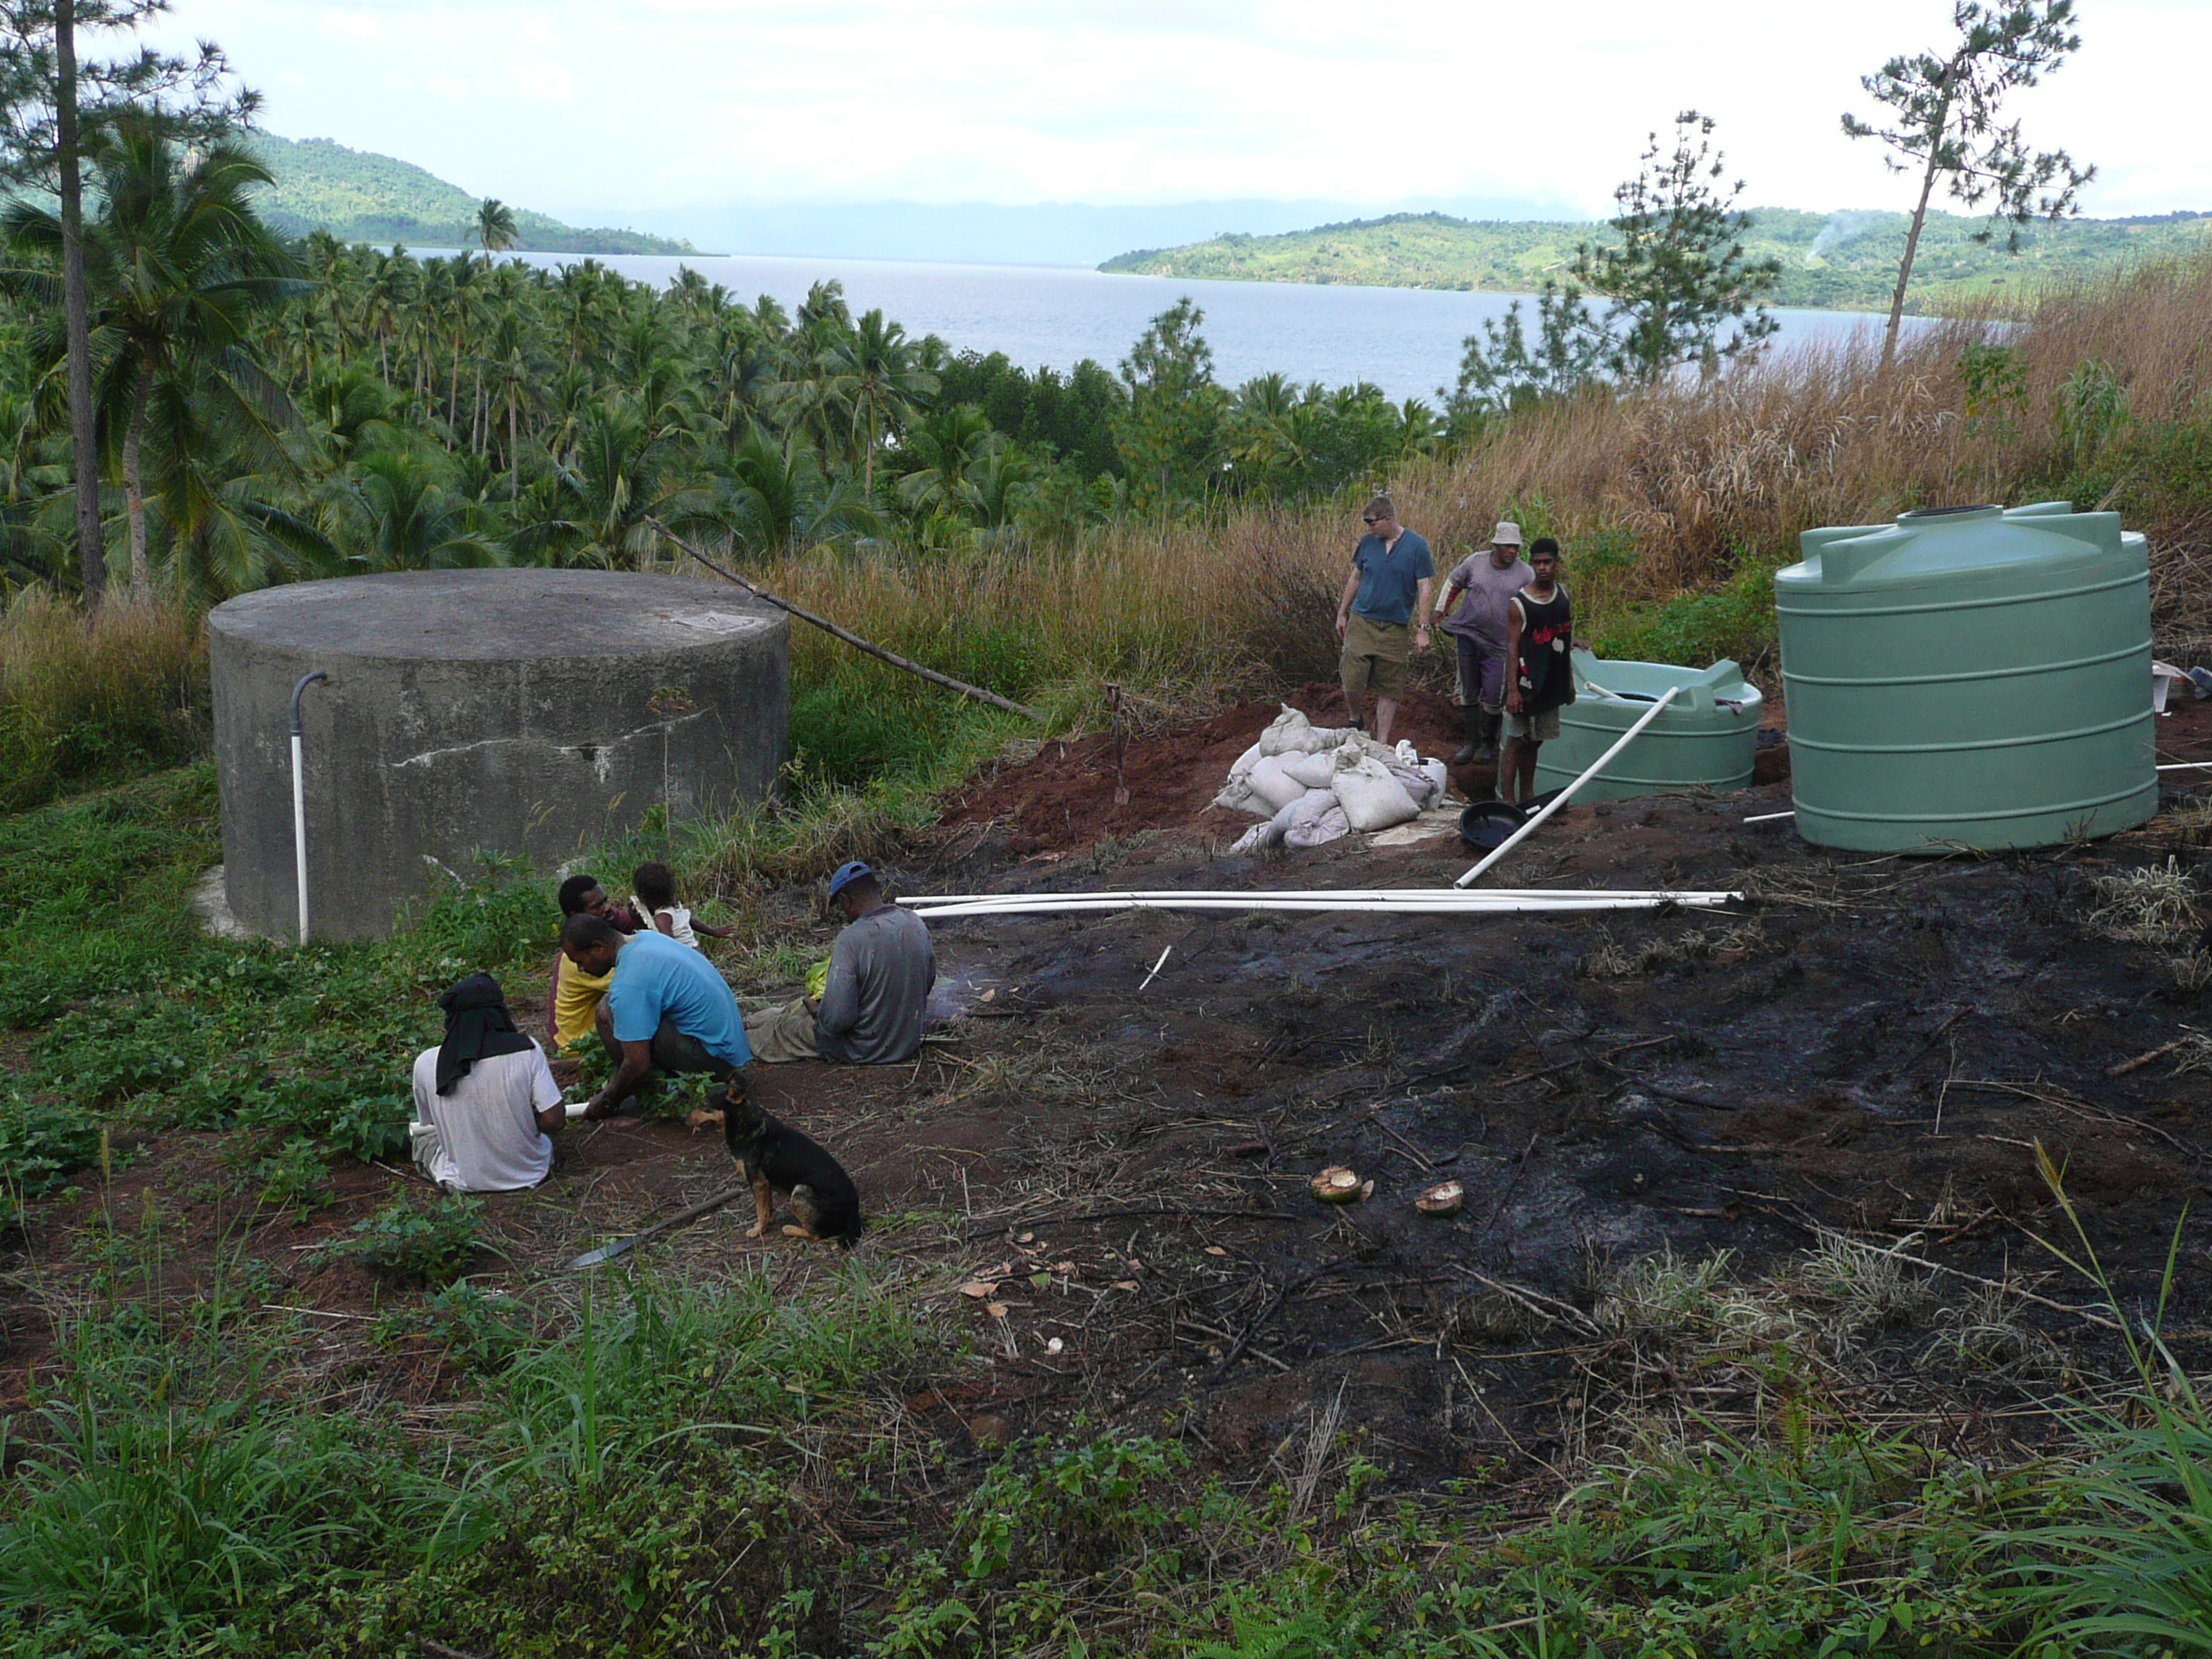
<point x="492" y="615"/>
<point x="1933" y="542"/>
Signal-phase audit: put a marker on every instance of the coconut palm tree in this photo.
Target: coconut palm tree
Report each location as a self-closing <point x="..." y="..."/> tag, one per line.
<point x="495" y="227"/>
<point x="179" y="264"/>
<point x="952" y="446"/>
<point x="398" y="512"/>
<point x="780" y="500"/>
<point x="880" y="381"/>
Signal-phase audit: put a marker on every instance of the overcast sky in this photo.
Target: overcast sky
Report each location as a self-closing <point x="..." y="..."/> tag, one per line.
<point x="582" y="108"/>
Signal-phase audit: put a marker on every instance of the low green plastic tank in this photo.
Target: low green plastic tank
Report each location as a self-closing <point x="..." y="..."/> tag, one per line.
<point x="1968" y="677"/>
<point x="1704" y="738"/>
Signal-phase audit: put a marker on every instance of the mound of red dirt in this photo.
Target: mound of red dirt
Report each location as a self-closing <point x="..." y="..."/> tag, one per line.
<point x="1064" y="798"/>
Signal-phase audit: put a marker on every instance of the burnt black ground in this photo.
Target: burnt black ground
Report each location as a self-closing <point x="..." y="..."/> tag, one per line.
<point x="1824" y="1061"/>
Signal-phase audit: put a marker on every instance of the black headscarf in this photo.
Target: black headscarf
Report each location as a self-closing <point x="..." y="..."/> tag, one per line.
<point x="476" y="1026"/>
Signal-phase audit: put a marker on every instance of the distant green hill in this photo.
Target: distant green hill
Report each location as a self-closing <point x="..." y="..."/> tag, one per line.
<point x="1843" y="261"/>
<point x="358" y="196"/>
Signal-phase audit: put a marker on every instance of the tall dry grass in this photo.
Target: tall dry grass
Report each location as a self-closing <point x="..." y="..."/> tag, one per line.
<point x="84" y="701"/>
<point x="1674" y="504"/>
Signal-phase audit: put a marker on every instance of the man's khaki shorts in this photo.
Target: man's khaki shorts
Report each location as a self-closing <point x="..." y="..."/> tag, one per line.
<point x="1540" y="727"/>
<point x="1374" y="657"/>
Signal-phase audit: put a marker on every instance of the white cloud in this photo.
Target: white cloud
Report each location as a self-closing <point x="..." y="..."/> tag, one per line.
<point x="547" y="81"/>
<point x="669" y="102"/>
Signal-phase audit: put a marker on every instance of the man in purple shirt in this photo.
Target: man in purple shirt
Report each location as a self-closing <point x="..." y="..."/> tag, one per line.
<point x="1478" y="628"/>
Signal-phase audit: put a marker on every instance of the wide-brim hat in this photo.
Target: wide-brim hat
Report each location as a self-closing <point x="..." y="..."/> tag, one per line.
<point x="1507" y="534"/>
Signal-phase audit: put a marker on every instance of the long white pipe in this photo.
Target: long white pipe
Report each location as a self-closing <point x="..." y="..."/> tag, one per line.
<point x="1339" y="901"/>
<point x="1567" y="795"/>
<point x="1382" y="894"/>
<point x="299" y="799"/>
<point x="1272" y="901"/>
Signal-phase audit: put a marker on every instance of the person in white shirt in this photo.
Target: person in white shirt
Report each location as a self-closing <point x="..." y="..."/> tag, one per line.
<point x="485" y="1098"/>
<point x="654" y="885"/>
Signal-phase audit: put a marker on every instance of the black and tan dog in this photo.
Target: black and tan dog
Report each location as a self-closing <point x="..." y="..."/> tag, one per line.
<point x="775" y="1158"/>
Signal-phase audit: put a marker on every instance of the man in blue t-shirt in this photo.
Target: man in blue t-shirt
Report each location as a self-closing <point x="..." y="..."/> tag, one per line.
<point x="1384" y="608"/>
<point x="666" y="1006"/>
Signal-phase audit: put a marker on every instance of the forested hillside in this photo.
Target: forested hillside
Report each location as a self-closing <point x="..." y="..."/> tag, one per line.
<point x="1845" y="261"/>
<point x="358" y="196"/>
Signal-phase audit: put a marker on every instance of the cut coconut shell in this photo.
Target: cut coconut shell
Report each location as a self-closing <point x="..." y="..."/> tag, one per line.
<point x="1443" y="1199"/>
<point x="1337" y="1185"/>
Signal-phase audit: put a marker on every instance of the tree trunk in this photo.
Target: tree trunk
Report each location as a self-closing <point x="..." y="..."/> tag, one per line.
<point x="133" y="486"/>
<point x="1912" y="236"/>
<point x="84" y="441"/>
<point x="479" y="440"/>
<point x="453" y="393"/>
<point x="514" y="454"/>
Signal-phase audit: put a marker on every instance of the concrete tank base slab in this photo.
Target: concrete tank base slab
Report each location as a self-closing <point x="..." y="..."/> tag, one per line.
<point x="520" y="713"/>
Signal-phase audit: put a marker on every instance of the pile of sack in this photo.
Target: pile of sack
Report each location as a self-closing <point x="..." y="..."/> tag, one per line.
<point x="1314" y="784"/>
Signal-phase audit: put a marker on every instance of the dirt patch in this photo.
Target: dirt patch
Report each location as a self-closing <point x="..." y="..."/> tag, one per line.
<point x="1866" y="1050"/>
<point x="1060" y="799"/>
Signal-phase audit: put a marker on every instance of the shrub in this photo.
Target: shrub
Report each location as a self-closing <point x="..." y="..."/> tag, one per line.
<point x="41" y="1145"/>
<point x="427" y="1245"/>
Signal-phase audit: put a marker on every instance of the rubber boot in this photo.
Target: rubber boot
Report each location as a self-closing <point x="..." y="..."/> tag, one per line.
<point x="1470" y="721"/>
<point x="1486" y="740"/>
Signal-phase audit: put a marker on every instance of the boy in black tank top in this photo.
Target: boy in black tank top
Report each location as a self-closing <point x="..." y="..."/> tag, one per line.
<point x="1539" y="678"/>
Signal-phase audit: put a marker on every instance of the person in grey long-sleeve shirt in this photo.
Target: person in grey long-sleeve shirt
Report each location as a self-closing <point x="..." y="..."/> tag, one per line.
<point x="881" y="972"/>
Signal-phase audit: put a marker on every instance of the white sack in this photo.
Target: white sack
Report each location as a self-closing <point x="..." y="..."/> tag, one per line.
<point x="1237" y="797"/>
<point x="1315" y="772"/>
<point x="1439" y="781"/>
<point x="1373" y="799"/>
<point x="1330" y="825"/>
<point x="1321" y="739"/>
<point x="1289" y="730"/>
<point x="1260" y="836"/>
<point x="1296" y="816"/>
<point x="1274" y="784"/>
<point x="1244" y="763"/>
<point x="1414" y="781"/>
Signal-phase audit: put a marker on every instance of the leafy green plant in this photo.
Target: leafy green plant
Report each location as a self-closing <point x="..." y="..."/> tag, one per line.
<point x="292" y="1177"/>
<point x="417" y="1244"/>
<point x="41" y="1145"/>
<point x="476" y="1328"/>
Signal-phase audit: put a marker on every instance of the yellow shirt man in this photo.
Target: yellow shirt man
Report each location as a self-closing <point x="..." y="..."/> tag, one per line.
<point x="575" y="1004"/>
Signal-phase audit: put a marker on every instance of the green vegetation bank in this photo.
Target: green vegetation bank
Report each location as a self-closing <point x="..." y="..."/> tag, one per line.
<point x="358" y="196"/>
<point x="1845" y="261"/>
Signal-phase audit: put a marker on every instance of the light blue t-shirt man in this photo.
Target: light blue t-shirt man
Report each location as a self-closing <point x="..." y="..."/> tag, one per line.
<point x="655" y="978"/>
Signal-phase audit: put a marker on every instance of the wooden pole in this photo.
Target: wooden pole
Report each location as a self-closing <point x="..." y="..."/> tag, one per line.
<point x="851" y="639"/>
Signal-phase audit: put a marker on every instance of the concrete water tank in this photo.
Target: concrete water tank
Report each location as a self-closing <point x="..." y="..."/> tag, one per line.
<point x="1706" y="738"/>
<point x="1968" y="677"/>
<point x="529" y="713"/>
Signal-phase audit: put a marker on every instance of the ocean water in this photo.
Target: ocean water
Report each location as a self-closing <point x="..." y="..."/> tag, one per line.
<point x="1407" y="341"/>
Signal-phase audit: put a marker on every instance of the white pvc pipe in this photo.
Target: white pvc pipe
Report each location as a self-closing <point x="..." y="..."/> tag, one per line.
<point x="2188" y="765"/>
<point x="1770" y="817"/>
<point x="299" y="799"/>
<point x="1382" y="894"/>
<point x="1343" y="902"/>
<point x="1567" y="795"/>
<point x="299" y="833"/>
<point x="1265" y="901"/>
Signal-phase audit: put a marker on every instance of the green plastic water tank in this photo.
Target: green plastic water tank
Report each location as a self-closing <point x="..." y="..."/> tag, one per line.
<point x="1704" y="738"/>
<point x="1968" y="677"/>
